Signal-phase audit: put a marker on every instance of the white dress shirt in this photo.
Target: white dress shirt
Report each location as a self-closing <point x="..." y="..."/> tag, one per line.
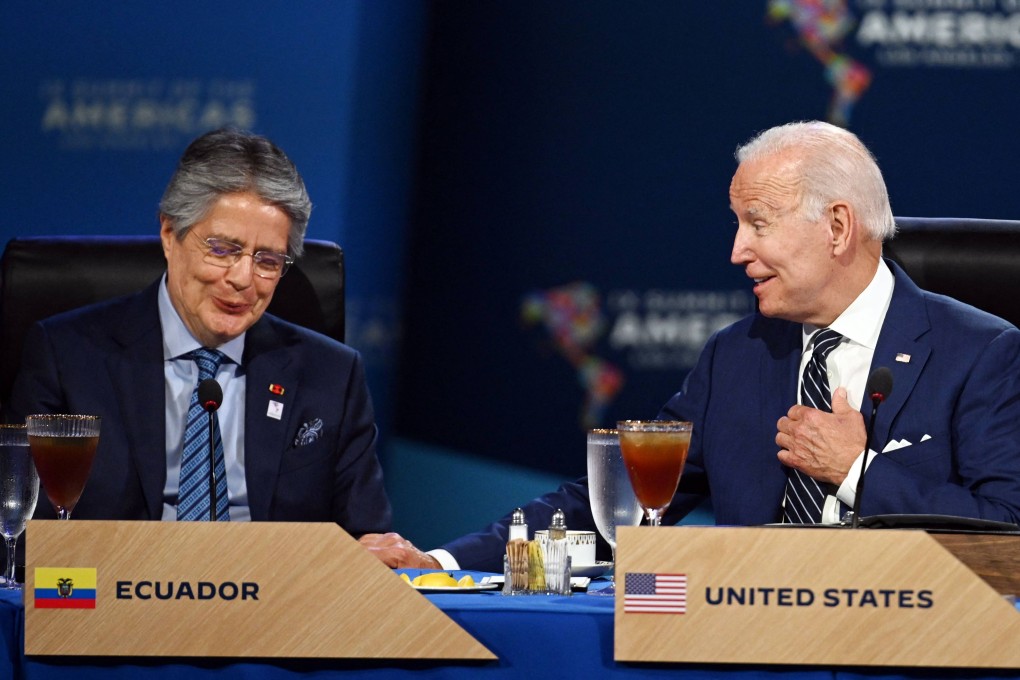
<point x="849" y="364"/>
<point x="180" y="378"/>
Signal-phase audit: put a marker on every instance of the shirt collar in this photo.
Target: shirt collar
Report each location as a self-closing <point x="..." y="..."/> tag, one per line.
<point x="178" y="340"/>
<point x="862" y="321"/>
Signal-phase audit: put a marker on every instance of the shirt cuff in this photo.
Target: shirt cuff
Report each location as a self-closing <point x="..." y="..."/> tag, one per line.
<point x="847" y="492"/>
<point x="445" y="559"/>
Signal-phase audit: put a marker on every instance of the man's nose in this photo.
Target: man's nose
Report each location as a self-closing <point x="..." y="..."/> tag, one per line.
<point x="740" y="253"/>
<point x="241" y="273"/>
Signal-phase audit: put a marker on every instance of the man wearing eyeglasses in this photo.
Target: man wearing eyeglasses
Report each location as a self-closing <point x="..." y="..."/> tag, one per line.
<point x="295" y="433"/>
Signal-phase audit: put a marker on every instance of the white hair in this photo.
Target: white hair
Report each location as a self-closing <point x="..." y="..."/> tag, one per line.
<point x="836" y="166"/>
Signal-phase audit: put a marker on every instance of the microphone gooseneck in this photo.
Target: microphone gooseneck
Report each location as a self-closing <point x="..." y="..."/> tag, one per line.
<point x="210" y="396"/>
<point x="879" y="386"/>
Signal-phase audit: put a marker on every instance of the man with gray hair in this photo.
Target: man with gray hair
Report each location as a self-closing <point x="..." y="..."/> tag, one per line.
<point x="776" y="398"/>
<point x="295" y="436"/>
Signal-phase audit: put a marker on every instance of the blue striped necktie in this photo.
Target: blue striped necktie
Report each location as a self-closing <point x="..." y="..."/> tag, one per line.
<point x="805" y="497"/>
<point x="193" y="491"/>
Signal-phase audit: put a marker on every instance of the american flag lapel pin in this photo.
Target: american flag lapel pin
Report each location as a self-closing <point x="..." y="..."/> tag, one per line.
<point x="903" y="358"/>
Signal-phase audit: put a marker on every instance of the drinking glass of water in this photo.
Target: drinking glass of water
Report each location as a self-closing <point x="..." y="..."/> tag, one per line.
<point x="612" y="498"/>
<point x="19" y="491"/>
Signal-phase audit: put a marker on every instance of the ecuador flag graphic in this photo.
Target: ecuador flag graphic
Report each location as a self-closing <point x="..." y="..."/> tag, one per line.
<point x="65" y="588"/>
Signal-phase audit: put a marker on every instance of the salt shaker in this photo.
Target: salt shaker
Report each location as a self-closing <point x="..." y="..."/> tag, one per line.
<point x="518" y="527"/>
<point x="557" y="559"/>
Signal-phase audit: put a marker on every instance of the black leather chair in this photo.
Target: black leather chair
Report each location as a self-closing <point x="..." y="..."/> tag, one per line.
<point x="976" y="261"/>
<point x="42" y="276"/>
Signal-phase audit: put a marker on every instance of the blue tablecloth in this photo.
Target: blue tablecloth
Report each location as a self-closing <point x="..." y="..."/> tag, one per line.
<point x="533" y="636"/>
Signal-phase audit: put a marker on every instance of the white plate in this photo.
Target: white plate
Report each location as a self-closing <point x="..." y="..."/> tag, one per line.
<point x="576" y="582"/>
<point x="477" y="588"/>
<point x="590" y="570"/>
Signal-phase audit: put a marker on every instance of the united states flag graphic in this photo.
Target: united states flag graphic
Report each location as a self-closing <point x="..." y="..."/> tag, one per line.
<point x="655" y="593"/>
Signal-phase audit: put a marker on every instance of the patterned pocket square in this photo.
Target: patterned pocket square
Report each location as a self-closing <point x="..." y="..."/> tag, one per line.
<point x="308" y="432"/>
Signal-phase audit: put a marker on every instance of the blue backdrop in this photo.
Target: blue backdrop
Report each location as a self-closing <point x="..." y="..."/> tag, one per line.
<point x="571" y="233"/>
<point x="532" y="196"/>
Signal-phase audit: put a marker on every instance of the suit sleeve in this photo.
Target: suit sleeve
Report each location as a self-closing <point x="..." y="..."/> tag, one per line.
<point x="484" y="549"/>
<point x="360" y="503"/>
<point x="690" y="404"/>
<point x="37" y="387"/>
<point x="967" y="461"/>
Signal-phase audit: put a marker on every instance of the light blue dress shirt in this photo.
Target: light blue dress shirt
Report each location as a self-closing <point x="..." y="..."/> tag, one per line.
<point x="180" y="377"/>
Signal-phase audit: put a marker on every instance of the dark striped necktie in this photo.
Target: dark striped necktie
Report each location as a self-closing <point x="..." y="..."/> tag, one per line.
<point x="805" y="497"/>
<point x="193" y="491"/>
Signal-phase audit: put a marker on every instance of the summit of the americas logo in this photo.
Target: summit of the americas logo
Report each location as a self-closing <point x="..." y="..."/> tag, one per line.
<point x="855" y="40"/>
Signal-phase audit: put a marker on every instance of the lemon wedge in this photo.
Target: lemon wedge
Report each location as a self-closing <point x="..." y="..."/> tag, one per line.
<point x="434" y="579"/>
<point x="466" y="581"/>
<point x="405" y="578"/>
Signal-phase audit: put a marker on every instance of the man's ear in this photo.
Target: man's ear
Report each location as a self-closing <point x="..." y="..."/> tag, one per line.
<point x="841" y="226"/>
<point x="166" y="234"/>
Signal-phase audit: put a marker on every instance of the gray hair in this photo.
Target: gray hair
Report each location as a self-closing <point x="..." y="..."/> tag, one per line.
<point x="228" y="161"/>
<point x="836" y="166"/>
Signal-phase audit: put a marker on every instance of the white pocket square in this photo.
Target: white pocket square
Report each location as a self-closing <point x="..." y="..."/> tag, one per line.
<point x="901" y="443"/>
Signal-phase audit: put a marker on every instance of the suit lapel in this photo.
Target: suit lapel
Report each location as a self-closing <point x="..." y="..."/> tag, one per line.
<point x="138" y="384"/>
<point x="269" y="368"/>
<point x="902" y="348"/>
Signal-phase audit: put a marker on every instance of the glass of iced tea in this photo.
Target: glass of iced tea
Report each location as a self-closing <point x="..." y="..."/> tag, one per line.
<point x="654" y="452"/>
<point x="63" y="447"/>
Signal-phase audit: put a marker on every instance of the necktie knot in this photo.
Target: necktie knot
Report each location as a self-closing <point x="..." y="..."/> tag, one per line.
<point x="823" y="342"/>
<point x="208" y="361"/>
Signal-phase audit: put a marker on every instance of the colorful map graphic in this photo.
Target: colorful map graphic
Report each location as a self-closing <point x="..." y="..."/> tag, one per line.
<point x="821" y="26"/>
<point x="572" y="315"/>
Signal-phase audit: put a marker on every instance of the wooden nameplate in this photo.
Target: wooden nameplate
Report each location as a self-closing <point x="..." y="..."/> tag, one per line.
<point x="769" y="595"/>
<point x="224" y="589"/>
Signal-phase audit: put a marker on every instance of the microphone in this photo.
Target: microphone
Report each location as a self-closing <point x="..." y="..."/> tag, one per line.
<point x="210" y="396"/>
<point x="878" y="388"/>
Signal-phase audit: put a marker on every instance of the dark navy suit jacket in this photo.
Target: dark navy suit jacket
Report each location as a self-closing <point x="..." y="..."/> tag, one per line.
<point x="107" y="359"/>
<point x="955" y="398"/>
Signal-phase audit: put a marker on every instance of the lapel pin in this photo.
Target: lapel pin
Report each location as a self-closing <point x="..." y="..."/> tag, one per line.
<point x="275" y="410"/>
<point x="276" y="389"/>
<point x="903" y="358"/>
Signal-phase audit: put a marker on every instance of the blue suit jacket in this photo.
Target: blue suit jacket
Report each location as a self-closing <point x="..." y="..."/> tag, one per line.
<point x="107" y="359"/>
<point x="956" y="386"/>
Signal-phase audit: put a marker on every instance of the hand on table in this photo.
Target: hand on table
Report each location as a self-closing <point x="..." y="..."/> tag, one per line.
<point x="397" y="552"/>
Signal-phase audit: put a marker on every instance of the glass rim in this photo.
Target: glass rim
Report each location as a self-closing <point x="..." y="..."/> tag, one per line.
<point x="633" y="425"/>
<point x="12" y="434"/>
<point x="63" y="425"/>
<point x="604" y="430"/>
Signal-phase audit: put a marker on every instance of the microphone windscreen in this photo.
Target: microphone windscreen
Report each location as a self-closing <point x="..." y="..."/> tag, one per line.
<point x="879" y="382"/>
<point x="210" y="394"/>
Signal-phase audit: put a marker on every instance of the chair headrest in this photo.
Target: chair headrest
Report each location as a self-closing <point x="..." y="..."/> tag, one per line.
<point x="42" y="276"/>
<point x="976" y="261"/>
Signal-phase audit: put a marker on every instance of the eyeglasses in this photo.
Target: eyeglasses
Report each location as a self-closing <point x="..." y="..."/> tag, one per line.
<point x="266" y="263"/>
